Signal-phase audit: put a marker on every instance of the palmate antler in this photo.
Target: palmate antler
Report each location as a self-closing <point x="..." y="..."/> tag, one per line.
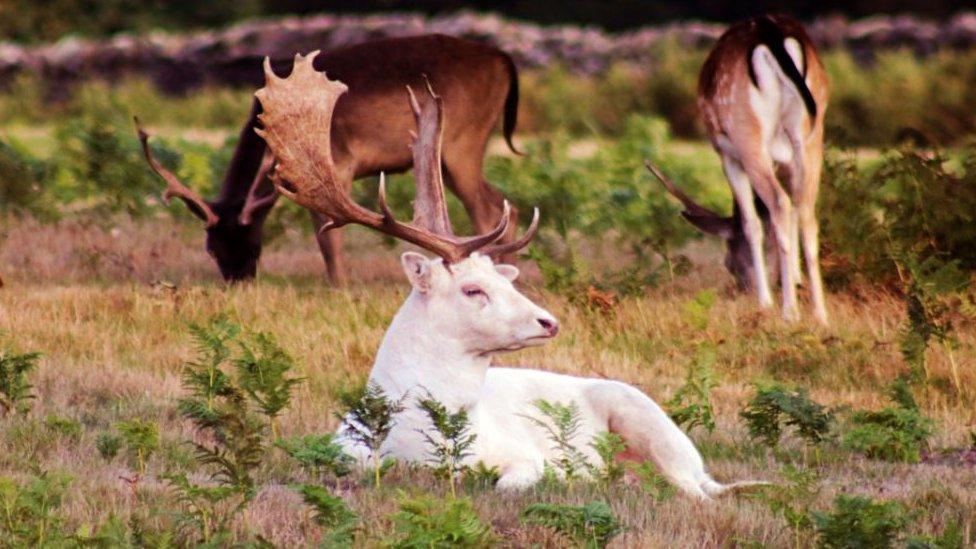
<point x="297" y="121"/>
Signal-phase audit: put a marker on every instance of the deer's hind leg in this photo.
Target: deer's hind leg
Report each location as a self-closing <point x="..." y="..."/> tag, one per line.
<point x="752" y="227"/>
<point x="463" y="164"/>
<point x="330" y="246"/>
<point x="760" y="172"/>
<point x="330" y="242"/>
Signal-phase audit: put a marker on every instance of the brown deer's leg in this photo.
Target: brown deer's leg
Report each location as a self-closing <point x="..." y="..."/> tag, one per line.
<point x="483" y="202"/>
<point x="330" y="244"/>
<point x="809" y="229"/>
<point x="752" y="227"/>
<point x="760" y="171"/>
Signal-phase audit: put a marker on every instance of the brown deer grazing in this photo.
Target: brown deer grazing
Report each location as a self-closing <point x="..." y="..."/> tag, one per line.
<point x="370" y="132"/>
<point x="762" y="92"/>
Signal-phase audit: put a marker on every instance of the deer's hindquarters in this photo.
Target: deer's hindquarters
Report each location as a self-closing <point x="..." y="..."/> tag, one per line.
<point x="762" y="92"/>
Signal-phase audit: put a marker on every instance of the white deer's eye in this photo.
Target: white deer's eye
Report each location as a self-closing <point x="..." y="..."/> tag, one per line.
<point x="472" y="291"/>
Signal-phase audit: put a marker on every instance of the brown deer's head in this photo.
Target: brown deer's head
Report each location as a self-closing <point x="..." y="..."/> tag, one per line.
<point x="233" y="237"/>
<point x="738" y="257"/>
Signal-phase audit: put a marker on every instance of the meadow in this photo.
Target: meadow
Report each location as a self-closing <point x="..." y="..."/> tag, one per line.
<point x="866" y="429"/>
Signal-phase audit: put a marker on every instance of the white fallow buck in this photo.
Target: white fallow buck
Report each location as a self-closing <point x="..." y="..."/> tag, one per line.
<point x="762" y="92"/>
<point x="463" y="310"/>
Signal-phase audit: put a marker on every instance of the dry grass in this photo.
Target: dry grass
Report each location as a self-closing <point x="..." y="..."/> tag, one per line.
<point x="114" y="342"/>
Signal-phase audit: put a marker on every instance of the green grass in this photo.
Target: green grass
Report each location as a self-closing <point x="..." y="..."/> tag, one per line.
<point x="114" y="349"/>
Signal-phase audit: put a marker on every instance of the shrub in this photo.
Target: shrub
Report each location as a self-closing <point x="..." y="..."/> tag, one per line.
<point x="332" y="513"/>
<point x="63" y="427"/>
<point x="22" y="182"/>
<point x="15" y="389"/>
<point x="653" y="483"/>
<point x="29" y="516"/>
<point x="320" y="454"/>
<point x="262" y="371"/>
<point x="793" y="500"/>
<point x="691" y="406"/>
<point x="894" y="433"/>
<point x="859" y="521"/>
<point x="450" y="446"/>
<point x="607" y="446"/>
<point x="592" y="525"/>
<point x="562" y="423"/>
<point x="908" y="207"/>
<point x="426" y="521"/>
<point x="775" y="406"/>
<point x="607" y="193"/>
<point x="891" y="434"/>
<point x="367" y="417"/>
<point x="228" y="411"/>
<point x="141" y="439"/>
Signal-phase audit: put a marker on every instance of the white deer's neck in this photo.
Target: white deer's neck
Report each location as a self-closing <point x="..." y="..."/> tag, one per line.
<point x="414" y="359"/>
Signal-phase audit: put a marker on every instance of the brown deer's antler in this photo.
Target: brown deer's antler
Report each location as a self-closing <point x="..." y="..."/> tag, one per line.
<point x="297" y="121"/>
<point x="174" y="187"/>
<point x="690" y="205"/>
<point x="254" y="203"/>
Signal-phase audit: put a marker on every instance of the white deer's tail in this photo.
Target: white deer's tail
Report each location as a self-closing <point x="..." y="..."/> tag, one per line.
<point x="651" y="434"/>
<point x="716" y="489"/>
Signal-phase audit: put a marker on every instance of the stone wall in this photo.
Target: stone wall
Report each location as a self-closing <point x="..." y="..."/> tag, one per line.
<point x="178" y="62"/>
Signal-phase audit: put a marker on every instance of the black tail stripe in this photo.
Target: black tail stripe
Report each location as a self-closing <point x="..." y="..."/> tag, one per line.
<point x="773" y="38"/>
<point x="511" y="105"/>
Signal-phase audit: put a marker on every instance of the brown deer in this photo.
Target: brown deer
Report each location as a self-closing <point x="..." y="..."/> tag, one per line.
<point x="371" y="127"/>
<point x="762" y="92"/>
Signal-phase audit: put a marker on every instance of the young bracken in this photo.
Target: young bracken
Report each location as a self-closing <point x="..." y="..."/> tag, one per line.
<point x="463" y="310"/>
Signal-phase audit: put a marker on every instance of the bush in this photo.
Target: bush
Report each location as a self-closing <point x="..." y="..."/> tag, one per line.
<point x="775" y="406"/>
<point x="15" y="388"/>
<point x="609" y="193"/>
<point x="426" y="521"/>
<point x="895" y="433"/>
<point x="859" y="521"/>
<point x="891" y="434"/>
<point x="905" y="203"/>
<point x="22" y="180"/>
<point x="592" y="525"/>
<point x="691" y="404"/>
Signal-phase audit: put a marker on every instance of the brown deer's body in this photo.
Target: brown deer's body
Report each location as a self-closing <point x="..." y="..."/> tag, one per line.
<point x="371" y="133"/>
<point x="763" y="92"/>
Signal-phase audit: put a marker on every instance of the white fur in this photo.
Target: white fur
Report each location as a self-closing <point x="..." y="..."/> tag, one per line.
<point x="441" y="343"/>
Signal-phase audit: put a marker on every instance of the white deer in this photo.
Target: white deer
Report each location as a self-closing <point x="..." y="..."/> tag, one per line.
<point x="462" y="311"/>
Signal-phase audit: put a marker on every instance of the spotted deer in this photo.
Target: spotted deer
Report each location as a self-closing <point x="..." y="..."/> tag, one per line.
<point x="479" y="86"/>
<point x="762" y="92"/>
<point x="462" y="311"/>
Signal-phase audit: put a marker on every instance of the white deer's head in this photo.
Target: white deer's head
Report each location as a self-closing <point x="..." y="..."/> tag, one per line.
<point x="475" y="304"/>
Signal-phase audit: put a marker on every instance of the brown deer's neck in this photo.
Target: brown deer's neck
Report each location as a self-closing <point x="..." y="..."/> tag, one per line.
<point x="243" y="164"/>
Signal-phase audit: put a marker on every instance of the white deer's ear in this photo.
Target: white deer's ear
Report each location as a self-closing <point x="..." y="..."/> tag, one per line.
<point x="510" y="272"/>
<point x="417" y="269"/>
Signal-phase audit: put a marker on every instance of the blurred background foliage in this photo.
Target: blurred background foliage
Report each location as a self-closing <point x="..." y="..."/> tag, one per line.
<point x="42" y="20"/>
<point x="899" y="179"/>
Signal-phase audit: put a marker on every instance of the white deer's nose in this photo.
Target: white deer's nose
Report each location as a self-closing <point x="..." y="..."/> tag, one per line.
<point x="551" y="325"/>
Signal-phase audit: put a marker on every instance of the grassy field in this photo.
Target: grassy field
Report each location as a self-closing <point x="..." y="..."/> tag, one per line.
<point x="109" y="309"/>
<point x="106" y="284"/>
